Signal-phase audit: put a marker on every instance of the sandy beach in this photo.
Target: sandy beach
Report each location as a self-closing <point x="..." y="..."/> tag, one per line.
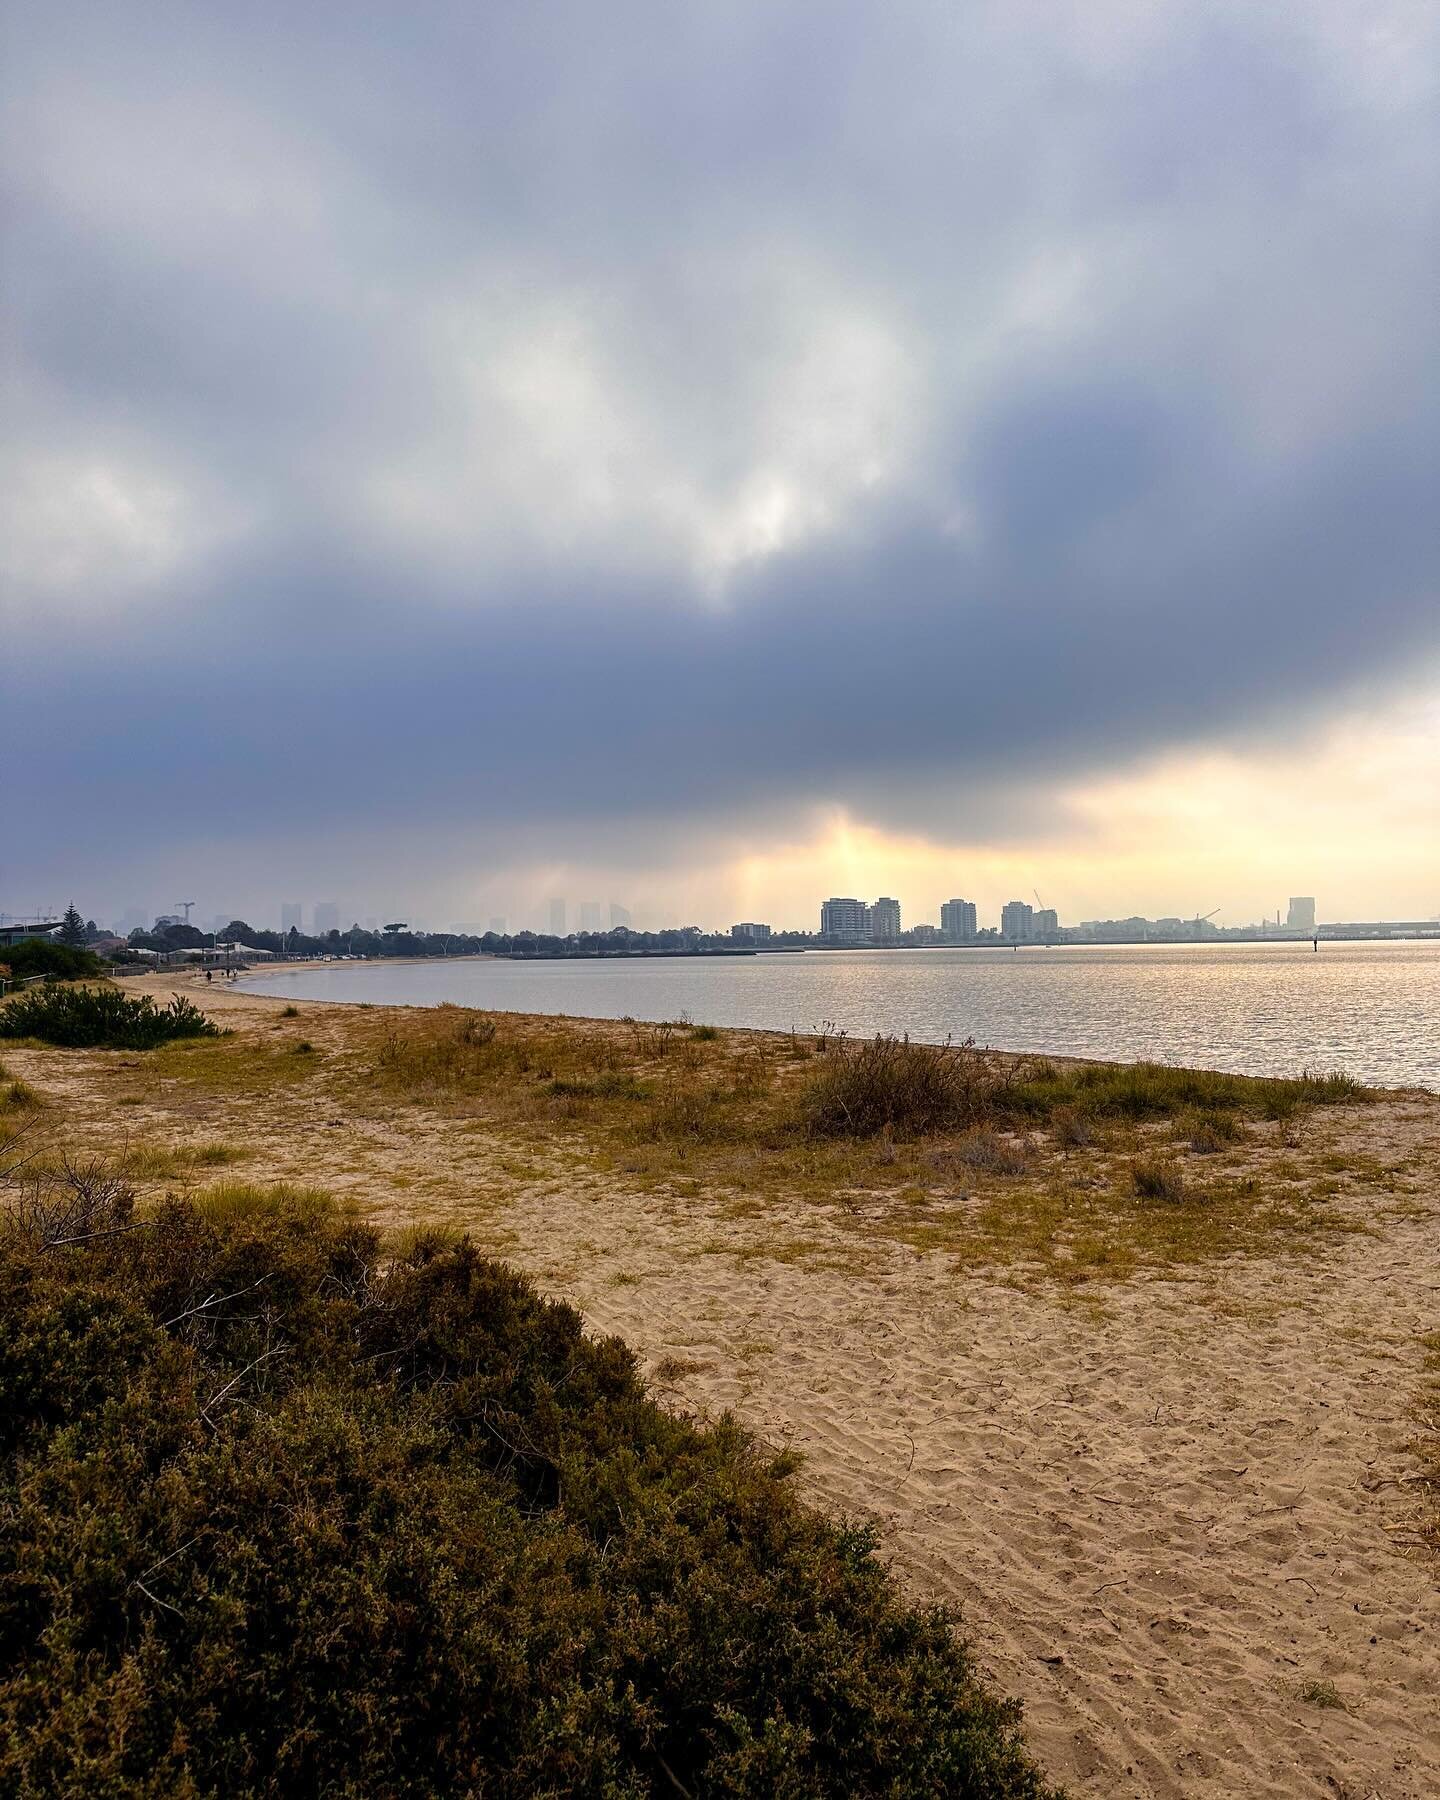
<point x="1182" y="1513"/>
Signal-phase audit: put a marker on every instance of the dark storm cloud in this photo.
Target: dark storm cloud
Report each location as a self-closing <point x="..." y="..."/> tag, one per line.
<point x="544" y="413"/>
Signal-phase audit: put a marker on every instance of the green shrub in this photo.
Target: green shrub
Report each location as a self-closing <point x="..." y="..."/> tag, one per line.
<point x="1155" y="1179"/>
<point x="47" y="956"/>
<point x="101" y="1019"/>
<point x="1142" y="1091"/>
<point x="284" y="1515"/>
<point x="890" y="1084"/>
<point x="1208" y="1132"/>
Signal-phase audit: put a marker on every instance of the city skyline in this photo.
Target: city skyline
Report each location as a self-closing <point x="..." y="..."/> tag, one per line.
<point x="841" y="920"/>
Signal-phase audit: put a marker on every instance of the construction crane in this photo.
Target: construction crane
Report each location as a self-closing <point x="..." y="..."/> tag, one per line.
<point x="185" y="905"/>
<point x="1200" y="920"/>
<point x="1038" y="901"/>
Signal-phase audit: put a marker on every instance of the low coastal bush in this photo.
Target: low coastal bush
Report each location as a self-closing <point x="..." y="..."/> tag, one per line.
<point x="1155" y="1179"/>
<point x="287" y="1514"/>
<point x="909" y="1090"/>
<point x="101" y="1019"/>
<point x="1142" y="1091"/>
<point x="46" y="956"/>
<point x="892" y="1085"/>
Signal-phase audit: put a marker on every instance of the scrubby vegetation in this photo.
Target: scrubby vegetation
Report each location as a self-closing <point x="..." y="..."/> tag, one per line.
<point x="890" y="1084"/>
<point x="100" y="1018"/>
<point x="285" y="1513"/>
<point x="46" y="956"/>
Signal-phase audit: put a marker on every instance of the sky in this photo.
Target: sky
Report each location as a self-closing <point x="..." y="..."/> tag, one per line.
<point x="713" y="457"/>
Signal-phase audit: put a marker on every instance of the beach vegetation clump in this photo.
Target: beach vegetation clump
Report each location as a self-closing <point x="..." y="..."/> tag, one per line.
<point x="1143" y="1091"/>
<point x="1154" y="1178"/>
<point x="52" y="959"/>
<point x="1210" y="1130"/>
<point x="889" y="1084"/>
<point x="101" y="1018"/>
<point x="288" y="1511"/>
<point x="993" y="1154"/>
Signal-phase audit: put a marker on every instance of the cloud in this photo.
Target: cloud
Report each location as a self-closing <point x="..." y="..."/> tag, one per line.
<point x="582" y="426"/>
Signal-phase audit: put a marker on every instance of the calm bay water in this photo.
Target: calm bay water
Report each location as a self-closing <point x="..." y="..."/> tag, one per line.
<point x="1372" y="1010"/>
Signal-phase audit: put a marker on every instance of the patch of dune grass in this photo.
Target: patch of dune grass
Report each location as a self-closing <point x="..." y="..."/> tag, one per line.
<point x="1143" y="1091"/>
<point x="178" y="1162"/>
<point x="227" y="1202"/>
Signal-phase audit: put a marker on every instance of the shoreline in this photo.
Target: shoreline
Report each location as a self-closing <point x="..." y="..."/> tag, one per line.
<point x="1102" y="1015"/>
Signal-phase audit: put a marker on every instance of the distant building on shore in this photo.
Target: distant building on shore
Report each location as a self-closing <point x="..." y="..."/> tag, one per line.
<point x="958" y="922"/>
<point x="885" y="921"/>
<point x="619" y="915"/>
<point x="1017" y="921"/>
<point x="1301" y="916"/>
<point x="1044" y="922"/>
<point x="292" y="916"/>
<point x="592" y="916"/>
<point x="750" y="933"/>
<point x="845" y="921"/>
<point x="557" y="918"/>
<point x="19" y="930"/>
<point x="327" y="917"/>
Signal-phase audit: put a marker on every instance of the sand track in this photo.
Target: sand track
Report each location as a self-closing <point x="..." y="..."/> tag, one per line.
<point x="1160" y="1525"/>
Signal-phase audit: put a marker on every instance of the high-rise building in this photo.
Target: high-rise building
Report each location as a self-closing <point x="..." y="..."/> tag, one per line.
<point x="619" y="915"/>
<point x="1017" y="922"/>
<point x="750" y="934"/>
<point x="557" y="918"/>
<point x="845" y="921"/>
<point x="592" y="916"/>
<point x="958" y="921"/>
<point x="292" y="916"/>
<point x="1302" y="913"/>
<point x="1044" y="922"/>
<point x="885" y="921"/>
<point x="327" y="917"/>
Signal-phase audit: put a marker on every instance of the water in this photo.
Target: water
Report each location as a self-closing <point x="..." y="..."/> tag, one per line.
<point x="1372" y="1010"/>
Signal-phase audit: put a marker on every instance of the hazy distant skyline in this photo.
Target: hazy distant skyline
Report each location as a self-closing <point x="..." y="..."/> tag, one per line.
<point x="721" y="456"/>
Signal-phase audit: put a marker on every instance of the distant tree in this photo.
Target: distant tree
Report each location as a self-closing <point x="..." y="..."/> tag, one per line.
<point x="92" y="931"/>
<point x="72" y="930"/>
<point x="48" y="956"/>
<point x="182" y="937"/>
<point x="399" y="925"/>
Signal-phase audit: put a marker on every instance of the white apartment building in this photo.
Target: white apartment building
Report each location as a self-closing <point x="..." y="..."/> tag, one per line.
<point x="1017" y="921"/>
<point x="958" y="921"/>
<point x="885" y="921"/>
<point x="845" y="921"/>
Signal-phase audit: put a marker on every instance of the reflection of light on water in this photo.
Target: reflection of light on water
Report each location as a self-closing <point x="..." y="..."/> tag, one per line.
<point x="1372" y="1010"/>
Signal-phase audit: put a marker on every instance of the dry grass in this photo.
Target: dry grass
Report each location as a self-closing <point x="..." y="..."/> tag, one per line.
<point x="995" y="1161"/>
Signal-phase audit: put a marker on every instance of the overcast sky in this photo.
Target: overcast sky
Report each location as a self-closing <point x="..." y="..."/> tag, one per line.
<point x="713" y="456"/>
